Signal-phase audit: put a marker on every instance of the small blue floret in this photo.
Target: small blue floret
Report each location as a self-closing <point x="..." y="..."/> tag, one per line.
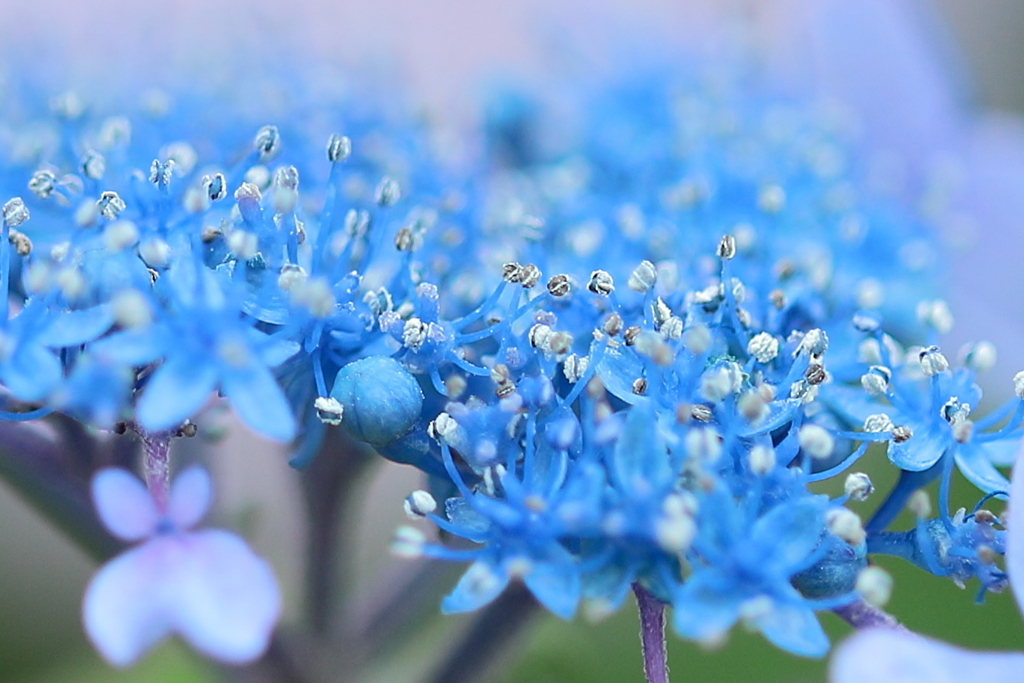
<point x="381" y="399"/>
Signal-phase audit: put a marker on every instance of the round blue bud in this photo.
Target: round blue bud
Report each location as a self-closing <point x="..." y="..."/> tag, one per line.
<point x="380" y="399"/>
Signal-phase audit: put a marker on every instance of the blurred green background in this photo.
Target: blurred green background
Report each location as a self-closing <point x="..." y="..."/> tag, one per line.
<point x="42" y="576"/>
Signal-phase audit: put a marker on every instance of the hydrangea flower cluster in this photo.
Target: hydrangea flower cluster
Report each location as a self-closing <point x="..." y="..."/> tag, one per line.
<point x="622" y="365"/>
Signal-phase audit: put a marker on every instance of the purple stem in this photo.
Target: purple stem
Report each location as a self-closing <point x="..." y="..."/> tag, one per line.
<point x="156" y="465"/>
<point x="652" y="635"/>
<point x="861" y="615"/>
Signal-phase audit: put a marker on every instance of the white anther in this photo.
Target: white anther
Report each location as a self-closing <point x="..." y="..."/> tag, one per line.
<point x="292" y="276"/>
<point x="672" y="329"/>
<point x="870" y="293"/>
<point x="697" y="339"/>
<point x="161" y="172"/>
<point x="726" y="247"/>
<point x="643" y="277"/>
<point x="71" y="282"/>
<point x="131" y="309"/>
<point x="878" y="423"/>
<point x="15" y="212"/>
<point x="752" y="406"/>
<point x="771" y="199"/>
<point x="703" y="444"/>
<point x="329" y="410"/>
<point x="932" y="361"/>
<point x="920" y="505"/>
<point x="244" y="245"/>
<point x="876" y="380"/>
<point x="529" y="276"/>
<point x="762" y="459"/>
<point x="858" y="486"/>
<point x="874" y="585"/>
<point x="258" y="176"/>
<point x="763" y="347"/>
<point x="315" y="295"/>
<point x="155" y="252"/>
<point x="114" y="131"/>
<point x="1018" y="384"/>
<point x="601" y="282"/>
<point x="182" y="154"/>
<point x="339" y="147"/>
<point x="388" y="192"/>
<point x="574" y="367"/>
<point x="419" y="504"/>
<point x="816" y="441"/>
<point x="21" y="242"/>
<point x="110" y="205"/>
<point x="267" y="141"/>
<point x="962" y="431"/>
<point x="936" y="315"/>
<point x="43" y="183"/>
<point x="979" y="356"/>
<point x="409" y="543"/>
<point x="675" y="532"/>
<point x="845" y="524"/>
<point x="815" y="342"/>
<point x="93" y="165"/>
<point x="120" y="235"/>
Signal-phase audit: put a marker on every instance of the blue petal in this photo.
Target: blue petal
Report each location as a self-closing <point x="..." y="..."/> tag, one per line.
<point x="617" y="370"/>
<point x="74" y="328"/>
<point x="555" y="582"/>
<point x="917" y="453"/>
<point x="481" y="583"/>
<point x="178" y="389"/>
<point x="32" y="373"/>
<point x="640" y="461"/>
<point x="258" y="399"/>
<point x="794" y="627"/>
<point x="135" y="347"/>
<point x="706" y="606"/>
<point x="974" y="464"/>
<point x="782" y="539"/>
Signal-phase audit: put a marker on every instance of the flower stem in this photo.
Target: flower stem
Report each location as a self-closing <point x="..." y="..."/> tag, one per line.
<point x="860" y="615"/>
<point x="156" y="465"/>
<point x="652" y="635"/>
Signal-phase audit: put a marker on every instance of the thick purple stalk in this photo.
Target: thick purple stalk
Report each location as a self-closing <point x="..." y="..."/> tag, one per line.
<point x="652" y="635"/>
<point x="156" y="465"/>
<point x="861" y="615"/>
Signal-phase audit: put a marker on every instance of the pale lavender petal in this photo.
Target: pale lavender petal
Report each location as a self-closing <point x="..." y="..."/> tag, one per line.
<point x="190" y="498"/>
<point x="1015" y="530"/>
<point x="123" y="504"/>
<point x="887" y="656"/>
<point x="123" y="611"/>
<point x="225" y="598"/>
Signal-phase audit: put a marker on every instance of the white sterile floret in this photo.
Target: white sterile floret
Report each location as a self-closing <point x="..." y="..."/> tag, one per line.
<point x="409" y="543"/>
<point x="763" y="347"/>
<point x="419" y="504"/>
<point x="131" y="309"/>
<point x="936" y="315"/>
<point x="329" y="410"/>
<point x="932" y="361"/>
<point x="155" y="252"/>
<point x="15" y="212"/>
<point x="979" y="356"/>
<point x="1018" y="384"/>
<point x="845" y="524"/>
<point x="643" y="277"/>
<point x="874" y="585"/>
<point x="858" y="486"/>
<point x="703" y="444"/>
<point x="816" y="441"/>
<point x="762" y="459"/>
<point x="120" y="235"/>
<point x="877" y="423"/>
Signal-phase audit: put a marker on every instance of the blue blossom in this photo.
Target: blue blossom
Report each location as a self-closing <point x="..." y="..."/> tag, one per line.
<point x="206" y="586"/>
